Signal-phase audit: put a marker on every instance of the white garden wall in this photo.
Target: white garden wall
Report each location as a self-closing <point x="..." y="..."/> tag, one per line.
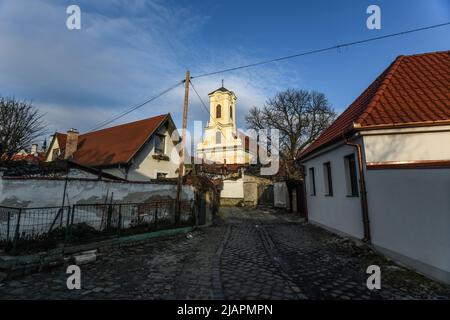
<point x="49" y="192"/>
<point x="233" y="189"/>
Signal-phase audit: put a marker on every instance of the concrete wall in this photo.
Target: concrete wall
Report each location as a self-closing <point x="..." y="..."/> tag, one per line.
<point x="339" y="212"/>
<point x="48" y="192"/>
<point x="280" y="195"/>
<point x="409" y="213"/>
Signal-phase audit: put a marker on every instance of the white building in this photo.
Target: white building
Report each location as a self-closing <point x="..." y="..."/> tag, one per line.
<point x="381" y="171"/>
<point x="136" y="151"/>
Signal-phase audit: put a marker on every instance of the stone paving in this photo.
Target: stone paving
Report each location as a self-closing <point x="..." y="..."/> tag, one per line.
<point x="248" y="254"/>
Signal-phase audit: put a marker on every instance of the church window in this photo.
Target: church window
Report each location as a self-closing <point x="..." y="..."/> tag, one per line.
<point x="218" y="111"/>
<point x="218" y="138"/>
<point x="231" y="112"/>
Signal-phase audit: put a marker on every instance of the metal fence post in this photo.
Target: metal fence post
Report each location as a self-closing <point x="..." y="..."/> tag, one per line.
<point x="71" y="219"/>
<point x="119" y="223"/>
<point x="108" y="219"/>
<point x="66" y="238"/>
<point x="156" y="216"/>
<point x="8" y="226"/>
<point x="16" y="234"/>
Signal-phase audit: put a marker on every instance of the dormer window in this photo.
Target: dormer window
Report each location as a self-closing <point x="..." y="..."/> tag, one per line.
<point x="55" y="153"/>
<point x="160" y="144"/>
<point x="218" y="111"/>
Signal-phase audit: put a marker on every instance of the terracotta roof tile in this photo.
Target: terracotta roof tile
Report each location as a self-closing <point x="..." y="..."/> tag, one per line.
<point x="412" y="89"/>
<point x="115" y="145"/>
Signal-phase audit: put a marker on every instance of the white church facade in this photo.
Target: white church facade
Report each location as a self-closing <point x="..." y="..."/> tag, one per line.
<point x="222" y="142"/>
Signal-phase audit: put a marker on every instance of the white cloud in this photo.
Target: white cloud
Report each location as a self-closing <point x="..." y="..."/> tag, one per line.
<point x="124" y="53"/>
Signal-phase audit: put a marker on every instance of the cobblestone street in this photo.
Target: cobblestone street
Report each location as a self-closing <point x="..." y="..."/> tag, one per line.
<point x="247" y="254"/>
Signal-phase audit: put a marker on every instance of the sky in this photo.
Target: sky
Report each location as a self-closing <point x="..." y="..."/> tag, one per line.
<point x="129" y="50"/>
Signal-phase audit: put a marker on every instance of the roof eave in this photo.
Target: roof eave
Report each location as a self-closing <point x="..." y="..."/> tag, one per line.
<point x="345" y="135"/>
<point x="167" y="117"/>
<point x="403" y="125"/>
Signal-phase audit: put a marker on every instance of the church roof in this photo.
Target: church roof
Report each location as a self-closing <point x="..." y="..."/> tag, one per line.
<point x="221" y="89"/>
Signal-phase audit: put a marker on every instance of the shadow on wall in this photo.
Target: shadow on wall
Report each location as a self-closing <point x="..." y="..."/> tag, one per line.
<point x="401" y="147"/>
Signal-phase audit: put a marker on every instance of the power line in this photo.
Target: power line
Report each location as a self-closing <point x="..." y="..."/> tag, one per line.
<point x="133" y="108"/>
<point x="321" y="50"/>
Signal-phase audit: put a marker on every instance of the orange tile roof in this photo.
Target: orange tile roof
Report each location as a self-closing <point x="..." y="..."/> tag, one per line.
<point x="114" y="145"/>
<point x="412" y="90"/>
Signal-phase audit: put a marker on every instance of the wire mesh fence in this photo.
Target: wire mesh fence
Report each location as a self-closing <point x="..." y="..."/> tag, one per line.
<point x="24" y="230"/>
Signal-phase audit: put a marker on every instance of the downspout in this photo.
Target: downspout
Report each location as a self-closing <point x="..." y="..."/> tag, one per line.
<point x="362" y="186"/>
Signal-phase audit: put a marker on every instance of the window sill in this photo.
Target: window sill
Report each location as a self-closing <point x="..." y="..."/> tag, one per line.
<point x="352" y="196"/>
<point x="328" y="195"/>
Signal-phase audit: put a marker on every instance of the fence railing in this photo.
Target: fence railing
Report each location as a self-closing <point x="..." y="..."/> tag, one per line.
<point x="25" y="230"/>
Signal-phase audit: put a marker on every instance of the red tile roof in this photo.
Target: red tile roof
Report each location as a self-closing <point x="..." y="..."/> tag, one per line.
<point x="413" y="90"/>
<point x="115" y="145"/>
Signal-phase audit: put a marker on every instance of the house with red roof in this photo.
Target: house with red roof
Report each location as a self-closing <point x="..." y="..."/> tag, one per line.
<point x="135" y="151"/>
<point x="381" y="171"/>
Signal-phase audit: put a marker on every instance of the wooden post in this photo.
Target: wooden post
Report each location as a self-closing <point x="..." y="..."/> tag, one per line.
<point x="183" y="138"/>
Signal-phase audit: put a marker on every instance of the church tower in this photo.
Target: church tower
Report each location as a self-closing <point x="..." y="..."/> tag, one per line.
<point x="222" y="142"/>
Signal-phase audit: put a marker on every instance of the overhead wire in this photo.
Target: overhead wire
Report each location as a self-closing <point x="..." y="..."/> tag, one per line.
<point x="134" y="108"/>
<point x="338" y="46"/>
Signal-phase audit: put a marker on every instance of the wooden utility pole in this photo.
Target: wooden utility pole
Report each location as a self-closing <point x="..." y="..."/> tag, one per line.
<point x="183" y="138"/>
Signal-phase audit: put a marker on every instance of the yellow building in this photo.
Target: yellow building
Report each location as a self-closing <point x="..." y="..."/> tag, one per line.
<point x="222" y="142"/>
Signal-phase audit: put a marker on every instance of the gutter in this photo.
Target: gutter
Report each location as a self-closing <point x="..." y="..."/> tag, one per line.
<point x="362" y="187"/>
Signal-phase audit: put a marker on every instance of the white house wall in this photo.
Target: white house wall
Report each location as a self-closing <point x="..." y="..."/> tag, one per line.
<point x="338" y="212"/>
<point x="145" y="167"/>
<point x="408" y="144"/>
<point x="409" y="212"/>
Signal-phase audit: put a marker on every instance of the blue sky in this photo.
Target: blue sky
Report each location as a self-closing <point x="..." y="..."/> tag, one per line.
<point x="128" y="51"/>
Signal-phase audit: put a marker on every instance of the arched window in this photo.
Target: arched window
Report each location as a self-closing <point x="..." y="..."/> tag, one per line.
<point x="218" y="111"/>
<point x="231" y="112"/>
<point x="218" y="137"/>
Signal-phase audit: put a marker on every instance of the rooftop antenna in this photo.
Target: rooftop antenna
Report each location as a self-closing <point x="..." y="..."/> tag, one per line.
<point x="222" y="83"/>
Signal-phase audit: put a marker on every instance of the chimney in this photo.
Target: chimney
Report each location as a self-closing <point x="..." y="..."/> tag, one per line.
<point x="71" y="143"/>
<point x="34" y="149"/>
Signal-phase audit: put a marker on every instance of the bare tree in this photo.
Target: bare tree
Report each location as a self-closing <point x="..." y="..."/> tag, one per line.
<point x="20" y="124"/>
<point x="299" y="115"/>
